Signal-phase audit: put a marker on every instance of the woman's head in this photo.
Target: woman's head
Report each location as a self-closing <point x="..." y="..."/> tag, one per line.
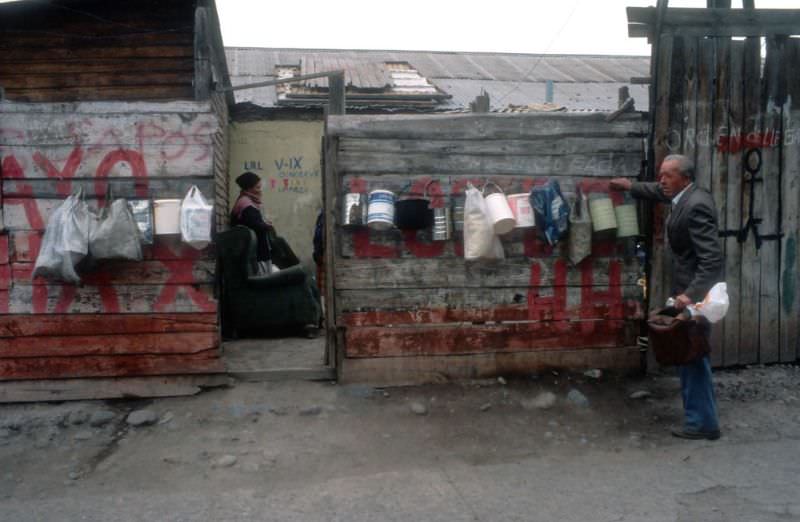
<point x="248" y="181"/>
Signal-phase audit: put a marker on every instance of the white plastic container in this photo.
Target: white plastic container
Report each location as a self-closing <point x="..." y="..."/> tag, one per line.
<point x="380" y="210"/>
<point x="500" y="215"/>
<point x="167" y="213"/>
<point x="521" y="207"/>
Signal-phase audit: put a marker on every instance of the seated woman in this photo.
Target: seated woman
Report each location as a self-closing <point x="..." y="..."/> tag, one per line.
<point x="272" y="251"/>
<point x="247" y="211"/>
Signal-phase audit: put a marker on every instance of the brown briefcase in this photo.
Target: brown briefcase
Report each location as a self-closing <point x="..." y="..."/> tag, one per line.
<point x="676" y="340"/>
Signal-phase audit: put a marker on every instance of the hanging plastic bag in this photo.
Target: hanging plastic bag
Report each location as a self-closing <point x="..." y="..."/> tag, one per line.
<point x="715" y="304"/>
<point x="551" y="211"/>
<point x="579" y="236"/>
<point x="195" y="219"/>
<point x="480" y="242"/>
<point x="65" y="241"/>
<point x="116" y="234"/>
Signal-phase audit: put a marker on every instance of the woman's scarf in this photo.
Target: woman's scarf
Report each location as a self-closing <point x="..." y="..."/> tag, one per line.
<point x="247" y="198"/>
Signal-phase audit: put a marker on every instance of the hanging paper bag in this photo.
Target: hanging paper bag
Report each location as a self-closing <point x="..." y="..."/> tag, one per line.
<point x="480" y="242"/>
<point x="195" y="219"/>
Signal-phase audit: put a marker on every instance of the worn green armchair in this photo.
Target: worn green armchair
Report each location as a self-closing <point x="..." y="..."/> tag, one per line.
<point x="257" y="305"/>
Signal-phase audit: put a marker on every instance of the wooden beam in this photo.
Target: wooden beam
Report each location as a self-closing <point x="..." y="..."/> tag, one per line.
<point x="459" y="339"/>
<point x="399" y="371"/>
<point x="714" y="22"/>
<point x="115" y="388"/>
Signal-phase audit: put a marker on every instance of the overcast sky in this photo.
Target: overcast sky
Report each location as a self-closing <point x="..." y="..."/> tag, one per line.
<point x="532" y="26"/>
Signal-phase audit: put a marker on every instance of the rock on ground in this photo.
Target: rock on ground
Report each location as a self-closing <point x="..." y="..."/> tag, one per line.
<point x="419" y="408"/>
<point x="577" y="398"/>
<point x="142" y="418"/>
<point x="542" y="401"/>
<point x="226" y="461"/>
<point x="101" y="418"/>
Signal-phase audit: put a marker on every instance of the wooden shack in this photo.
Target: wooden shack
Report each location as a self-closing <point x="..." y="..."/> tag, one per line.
<point x="109" y="93"/>
<point x="408" y="309"/>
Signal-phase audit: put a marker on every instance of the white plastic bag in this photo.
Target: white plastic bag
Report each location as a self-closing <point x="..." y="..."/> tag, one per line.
<point x="65" y="241"/>
<point x="715" y="305"/>
<point x="116" y="234"/>
<point x="480" y="241"/>
<point x="196" y="216"/>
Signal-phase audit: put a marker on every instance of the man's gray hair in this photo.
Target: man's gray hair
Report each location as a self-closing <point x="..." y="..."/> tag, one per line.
<point x="685" y="165"/>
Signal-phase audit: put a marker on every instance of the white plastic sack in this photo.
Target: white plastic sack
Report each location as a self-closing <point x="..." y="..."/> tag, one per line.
<point x="480" y="241"/>
<point x="195" y="217"/>
<point x="116" y="234"/>
<point x="715" y="305"/>
<point x="65" y="241"/>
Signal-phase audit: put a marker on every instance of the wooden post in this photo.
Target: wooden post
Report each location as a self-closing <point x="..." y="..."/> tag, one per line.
<point x="202" y="64"/>
<point x="336" y="94"/>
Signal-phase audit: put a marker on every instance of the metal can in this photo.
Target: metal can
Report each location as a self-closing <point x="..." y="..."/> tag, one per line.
<point x="442" y="224"/>
<point x="458" y="214"/>
<point x="354" y="211"/>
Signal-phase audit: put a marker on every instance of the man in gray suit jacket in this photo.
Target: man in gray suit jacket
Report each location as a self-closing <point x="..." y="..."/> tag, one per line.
<point x="692" y="238"/>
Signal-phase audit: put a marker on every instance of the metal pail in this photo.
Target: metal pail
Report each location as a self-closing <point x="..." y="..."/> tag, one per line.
<point x="380" y="213"/>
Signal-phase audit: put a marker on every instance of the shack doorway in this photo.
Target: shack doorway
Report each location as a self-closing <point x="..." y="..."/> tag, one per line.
<point x="269" y="322"/>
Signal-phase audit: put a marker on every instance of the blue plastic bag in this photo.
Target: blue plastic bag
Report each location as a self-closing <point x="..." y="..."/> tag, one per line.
<point x="551" y="211"/>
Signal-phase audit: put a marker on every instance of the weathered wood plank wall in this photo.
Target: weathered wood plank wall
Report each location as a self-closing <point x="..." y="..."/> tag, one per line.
<point x="719" y="106"/>
<point x="412" y="309"/>
<point x="97" y="51"/>
<point x="157" y="316"/>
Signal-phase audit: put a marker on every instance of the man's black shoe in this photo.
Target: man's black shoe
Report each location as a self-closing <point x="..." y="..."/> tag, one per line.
<point x="684" y="433"/>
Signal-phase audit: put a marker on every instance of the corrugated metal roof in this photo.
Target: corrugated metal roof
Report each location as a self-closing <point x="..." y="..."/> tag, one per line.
<point x="471" y="66"/>
<point x="582" y="82"/>
<point x="573" y="96"/>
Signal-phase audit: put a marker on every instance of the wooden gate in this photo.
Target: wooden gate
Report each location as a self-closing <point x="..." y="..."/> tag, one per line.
<point x="726" y="102"/>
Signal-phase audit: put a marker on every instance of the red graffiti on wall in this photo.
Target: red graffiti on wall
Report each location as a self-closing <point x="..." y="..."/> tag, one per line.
<point x="541" y="308"/>
<point x="179" y="267"/>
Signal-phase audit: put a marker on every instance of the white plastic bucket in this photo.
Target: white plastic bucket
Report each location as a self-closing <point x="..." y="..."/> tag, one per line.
<point x="167" y="214"/>
<point x="500" y="214"/>
<point x="521" y="208"/>
<point x="380" y="210"/>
